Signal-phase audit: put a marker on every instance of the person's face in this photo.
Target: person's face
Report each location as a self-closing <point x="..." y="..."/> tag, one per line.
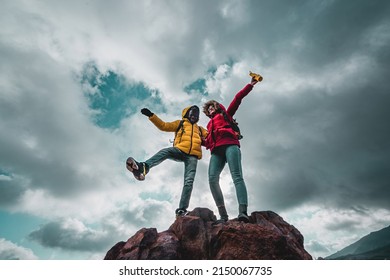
<point x="193" y="115"/>
<point x="211" y="110"/>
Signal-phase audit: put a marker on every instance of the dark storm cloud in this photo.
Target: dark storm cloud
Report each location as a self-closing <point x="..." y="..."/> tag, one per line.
<point x="329" y="143"/>
<point x="309" y="35"/>
<point x="70" y="235"/>
<point x="317" y="32"/>
<point x="338" y="147"/>
<point x="343" y="225"/>
<point x="340" y="29"/>
<point x="10" y="192"/>
<point x="45" y="136"/>
<point x="31" y="121"/>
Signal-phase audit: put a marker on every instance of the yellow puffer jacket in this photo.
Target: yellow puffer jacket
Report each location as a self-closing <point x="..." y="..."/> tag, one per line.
<point x="188" y="138"/>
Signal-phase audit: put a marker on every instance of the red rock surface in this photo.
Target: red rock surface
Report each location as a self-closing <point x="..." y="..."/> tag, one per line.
<point x="196" y="237"/>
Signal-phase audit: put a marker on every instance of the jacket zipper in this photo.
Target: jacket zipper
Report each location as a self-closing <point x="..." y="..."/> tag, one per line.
<point x="192" y="135"/>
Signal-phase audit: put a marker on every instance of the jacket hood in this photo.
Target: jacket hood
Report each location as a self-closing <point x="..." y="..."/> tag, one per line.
<point x="184" y="113"/>
<point x="185" y="110"/>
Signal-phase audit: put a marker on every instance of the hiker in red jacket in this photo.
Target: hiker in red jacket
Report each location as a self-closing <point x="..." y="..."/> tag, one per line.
<point x="223" y="142"/>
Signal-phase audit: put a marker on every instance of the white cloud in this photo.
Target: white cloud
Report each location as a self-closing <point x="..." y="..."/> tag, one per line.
<point x="11" y="251"/>
<point x="5" y="178"/>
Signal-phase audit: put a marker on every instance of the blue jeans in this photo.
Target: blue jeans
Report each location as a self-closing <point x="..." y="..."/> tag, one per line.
<point x="190" y="163"/>
<point x="232" y="155"/>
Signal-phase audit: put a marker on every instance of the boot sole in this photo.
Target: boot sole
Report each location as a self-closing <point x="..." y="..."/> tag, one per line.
<point x="132" y="166"/>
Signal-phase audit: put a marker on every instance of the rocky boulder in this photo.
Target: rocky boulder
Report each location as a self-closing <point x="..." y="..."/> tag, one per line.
<point x="197" y="237"/>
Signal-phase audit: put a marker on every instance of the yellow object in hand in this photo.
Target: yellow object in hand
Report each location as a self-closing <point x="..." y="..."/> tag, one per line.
<point x="255" y="76"/>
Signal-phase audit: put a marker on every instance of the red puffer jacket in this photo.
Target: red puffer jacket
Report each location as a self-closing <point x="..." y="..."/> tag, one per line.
<point x="220" y="131"/>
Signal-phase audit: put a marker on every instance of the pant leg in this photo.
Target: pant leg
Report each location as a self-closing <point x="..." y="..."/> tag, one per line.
<point x="190" y="164"/>
<point x="233" y="157"/>
<point x="166" y="153"/>
<point x="217" y="163"/>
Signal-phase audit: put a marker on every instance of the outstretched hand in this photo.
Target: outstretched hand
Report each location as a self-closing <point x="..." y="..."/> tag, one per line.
<point x="253" y="81"/>
<point x="146" y="112"/>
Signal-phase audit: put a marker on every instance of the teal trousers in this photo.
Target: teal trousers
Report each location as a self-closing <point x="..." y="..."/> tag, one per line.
<point x="232" y="155"/>
<point x="190" y="164"/>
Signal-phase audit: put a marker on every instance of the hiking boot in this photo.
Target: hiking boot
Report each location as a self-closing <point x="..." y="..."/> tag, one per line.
<point x="223" y="214"/>
<point x="139" y="169"/>
<point x="243" y="216"/>
<point x="180" y="212"/>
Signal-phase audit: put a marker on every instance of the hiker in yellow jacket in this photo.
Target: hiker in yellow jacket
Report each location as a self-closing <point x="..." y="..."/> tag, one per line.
<point x="186" y="148"/>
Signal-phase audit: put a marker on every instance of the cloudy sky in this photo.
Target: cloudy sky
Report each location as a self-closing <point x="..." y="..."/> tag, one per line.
<point x="75" y="74"/>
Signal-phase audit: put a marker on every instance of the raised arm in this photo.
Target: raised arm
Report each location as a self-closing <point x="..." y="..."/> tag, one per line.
<point x="160" y="124"/>
<point x="233" y="107"/>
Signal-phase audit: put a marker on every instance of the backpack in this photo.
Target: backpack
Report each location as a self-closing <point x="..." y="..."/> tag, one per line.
<point x="234" y="124"/>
